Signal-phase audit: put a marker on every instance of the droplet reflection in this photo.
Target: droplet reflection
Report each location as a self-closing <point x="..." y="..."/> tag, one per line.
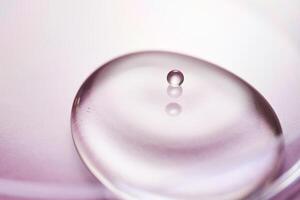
<point x="174" y="92"/>
<point x="173" y="109"/>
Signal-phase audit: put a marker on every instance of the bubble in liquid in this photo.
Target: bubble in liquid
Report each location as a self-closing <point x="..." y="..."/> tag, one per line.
<point x="173" y="109"/>
<point x="224" y="145"/>
<point x="174" y="92"/>
<point x="175" y="78"/>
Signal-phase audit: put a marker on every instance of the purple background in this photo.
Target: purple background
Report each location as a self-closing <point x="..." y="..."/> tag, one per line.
<point x="48" y="48"/>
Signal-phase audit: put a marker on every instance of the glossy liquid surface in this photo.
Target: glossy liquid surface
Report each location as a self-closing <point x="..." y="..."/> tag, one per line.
<point x="211" y="136"/>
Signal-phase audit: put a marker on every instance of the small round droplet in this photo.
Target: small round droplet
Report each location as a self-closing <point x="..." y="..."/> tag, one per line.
<point x="173" y="109"/>
<point x="174" y="92"/>
<point x="175" y="78"/>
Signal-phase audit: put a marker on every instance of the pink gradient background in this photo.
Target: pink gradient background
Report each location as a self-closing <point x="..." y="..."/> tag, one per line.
<point x="48" y="48"/>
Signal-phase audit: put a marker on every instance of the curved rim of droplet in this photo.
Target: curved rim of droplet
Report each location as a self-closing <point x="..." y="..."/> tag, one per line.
<point x="179" y="73"/>
<point x="105" y="181"/>
<point x="163" y="51"/>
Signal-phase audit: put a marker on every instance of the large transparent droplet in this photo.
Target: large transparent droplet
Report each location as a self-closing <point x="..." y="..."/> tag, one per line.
<point x="212" y="137"/>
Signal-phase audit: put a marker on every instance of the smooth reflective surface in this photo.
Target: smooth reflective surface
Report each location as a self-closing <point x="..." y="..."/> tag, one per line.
<point x="219" y="139"/>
